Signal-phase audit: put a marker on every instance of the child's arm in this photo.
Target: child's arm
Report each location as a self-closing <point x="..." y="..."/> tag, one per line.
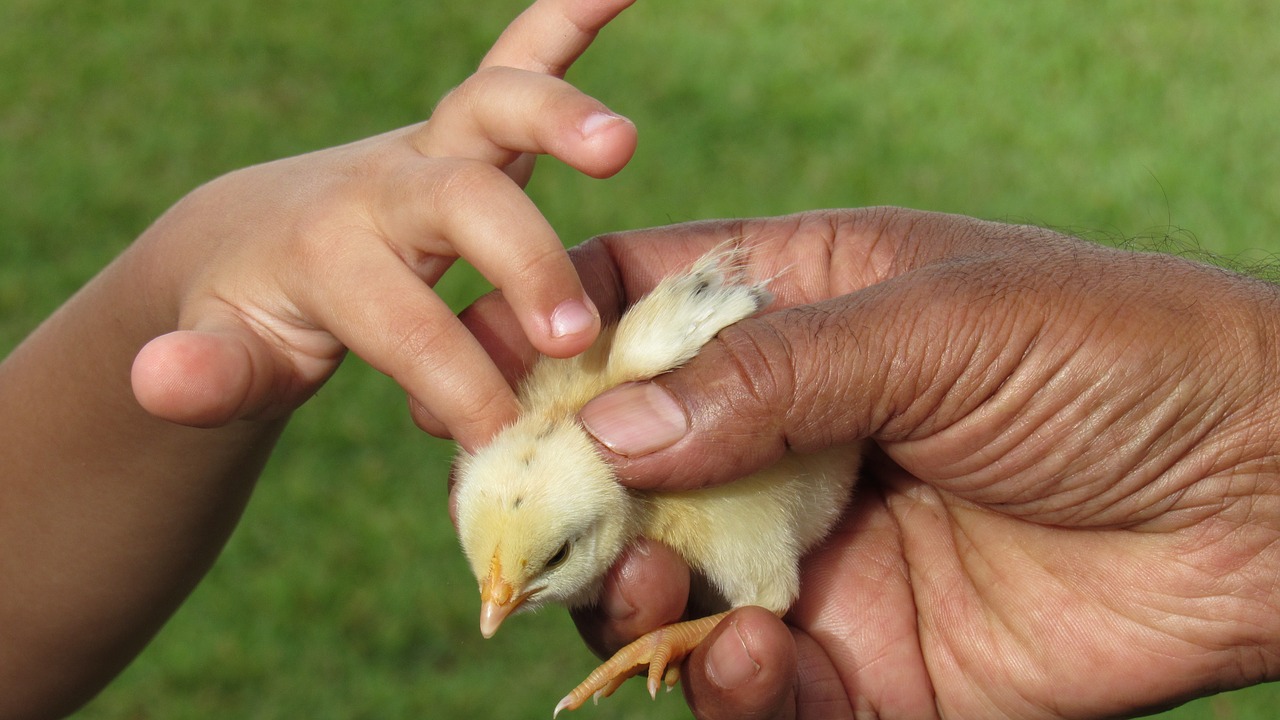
<point x="237" y="305"/>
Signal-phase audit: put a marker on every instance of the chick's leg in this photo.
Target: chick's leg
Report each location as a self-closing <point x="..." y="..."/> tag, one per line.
<point x="661" y="650"/>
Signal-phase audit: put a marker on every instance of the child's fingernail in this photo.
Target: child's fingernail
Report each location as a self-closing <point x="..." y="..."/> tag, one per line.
<point x="570" y="318"/>
<point x="729" y="665"/>
<point x="598" y="121"/>
<point x="635" y="419"/>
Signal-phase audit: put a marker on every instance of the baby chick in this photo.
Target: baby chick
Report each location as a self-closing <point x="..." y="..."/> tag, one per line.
<point x="541" y="517"/>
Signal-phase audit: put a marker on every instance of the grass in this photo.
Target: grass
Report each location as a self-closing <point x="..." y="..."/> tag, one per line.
<point x="343" y="594"/>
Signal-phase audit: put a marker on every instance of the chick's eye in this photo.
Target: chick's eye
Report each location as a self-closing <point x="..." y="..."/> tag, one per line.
<point x="559" y="557"/>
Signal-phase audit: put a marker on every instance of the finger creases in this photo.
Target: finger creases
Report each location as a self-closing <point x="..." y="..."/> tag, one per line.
<point x="387" y="316"/>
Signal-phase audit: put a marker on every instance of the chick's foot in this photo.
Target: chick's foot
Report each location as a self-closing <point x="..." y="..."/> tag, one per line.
<point x="661" y="650"/>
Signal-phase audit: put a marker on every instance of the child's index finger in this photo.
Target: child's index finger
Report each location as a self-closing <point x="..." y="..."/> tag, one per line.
<point x="551" y="34"/>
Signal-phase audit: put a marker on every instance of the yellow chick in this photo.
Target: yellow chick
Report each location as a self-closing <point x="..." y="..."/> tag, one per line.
<point x="541" y="517"/>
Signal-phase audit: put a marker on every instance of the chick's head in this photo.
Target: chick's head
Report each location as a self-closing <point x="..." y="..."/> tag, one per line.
<point x="540" y="518"/>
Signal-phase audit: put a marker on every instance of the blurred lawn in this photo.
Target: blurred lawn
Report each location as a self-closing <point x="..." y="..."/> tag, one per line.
<point x="343" y="594"/>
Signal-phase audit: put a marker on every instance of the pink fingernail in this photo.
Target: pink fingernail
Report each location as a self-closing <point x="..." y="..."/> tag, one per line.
<point x="599" y="121"/>
<point x="729" y="663"/>
<point x="570" y="318"/>
<point x="635" y="419"/>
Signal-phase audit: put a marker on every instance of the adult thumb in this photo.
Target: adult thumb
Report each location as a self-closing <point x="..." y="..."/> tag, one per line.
<point x="901" y="360"/>
<point x="792" y="379"/>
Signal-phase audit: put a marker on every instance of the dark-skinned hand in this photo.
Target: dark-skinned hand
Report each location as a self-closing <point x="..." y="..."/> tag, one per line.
<point x="1070" y="505"/>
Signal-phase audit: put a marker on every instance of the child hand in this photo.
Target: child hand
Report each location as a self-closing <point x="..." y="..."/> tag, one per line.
<point x="263" y="278"/>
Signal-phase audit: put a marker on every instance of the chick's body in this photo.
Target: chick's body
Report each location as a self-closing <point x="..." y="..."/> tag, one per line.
<point x="542" y="518"/>
<point x="747" y="537"/>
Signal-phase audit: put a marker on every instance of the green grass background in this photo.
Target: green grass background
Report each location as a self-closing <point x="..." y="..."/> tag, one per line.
<point x="343" y="594"/>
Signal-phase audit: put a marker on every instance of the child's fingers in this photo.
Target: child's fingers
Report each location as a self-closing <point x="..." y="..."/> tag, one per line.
<point x="549" y="36"/>
<point x="491" y="222"/>
<point x="493" y="323"/>
<point x="517" y="103"/>
<point x="393" y="321"/>
<point x="501" y="112"/>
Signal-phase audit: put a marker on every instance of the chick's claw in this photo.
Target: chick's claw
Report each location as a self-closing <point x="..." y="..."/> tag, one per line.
<point x="671" y="677"/>
<point x="660" y="650"/>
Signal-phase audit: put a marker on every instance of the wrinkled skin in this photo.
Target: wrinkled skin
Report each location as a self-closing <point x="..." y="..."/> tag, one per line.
<point x="1071" y="505"/>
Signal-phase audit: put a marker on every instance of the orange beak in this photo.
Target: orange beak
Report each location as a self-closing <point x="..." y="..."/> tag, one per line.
<point x="498" y="599"/>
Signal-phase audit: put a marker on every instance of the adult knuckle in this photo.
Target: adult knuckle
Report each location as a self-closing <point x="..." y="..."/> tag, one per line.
<point x="822" y="371"/>
<point x="759" y="363"/>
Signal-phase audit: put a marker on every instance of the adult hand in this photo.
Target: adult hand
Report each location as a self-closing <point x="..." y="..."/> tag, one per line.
<point x="1071" y="505"/>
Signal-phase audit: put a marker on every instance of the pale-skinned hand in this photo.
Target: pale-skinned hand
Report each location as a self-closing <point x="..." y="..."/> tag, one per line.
<point x="269" y="274"/>
<point x="234" y="307"/>
<point x="1070" y="503"/>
